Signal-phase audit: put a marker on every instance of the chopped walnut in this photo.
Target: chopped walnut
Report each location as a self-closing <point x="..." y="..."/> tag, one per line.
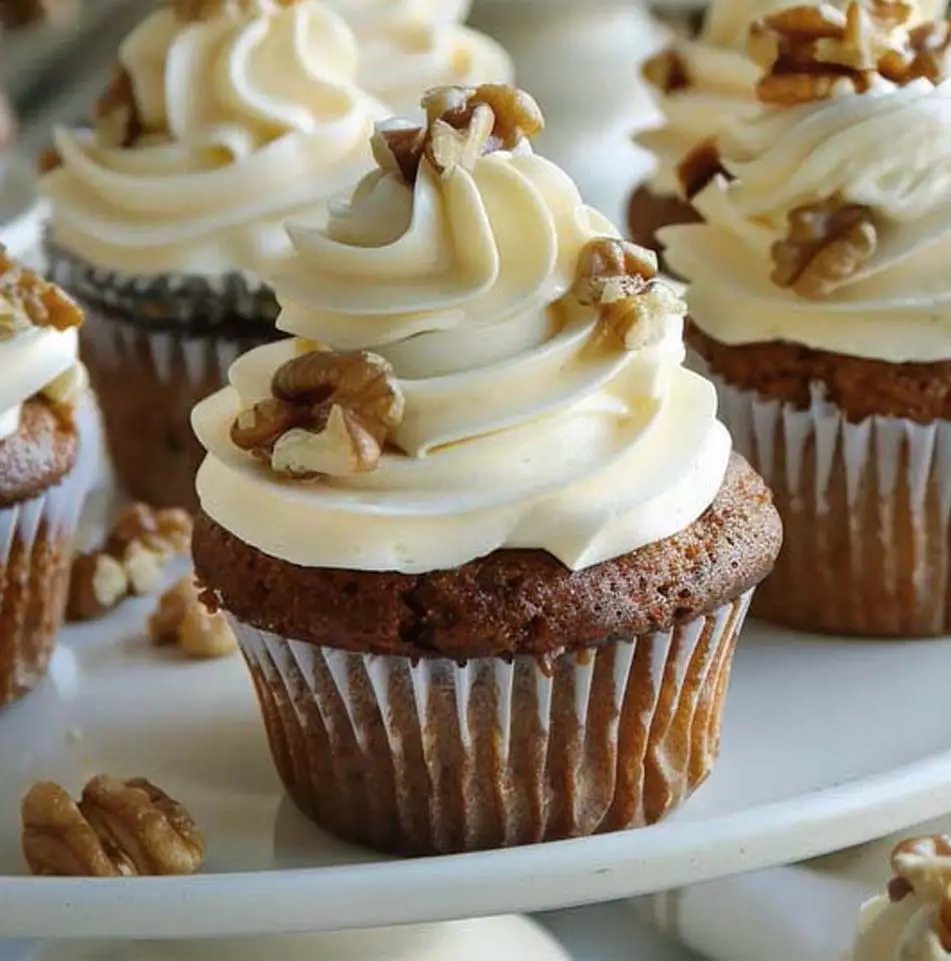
<point x="923" y="866"/>
<point x="119" y="828"/>
<point x="330" y="414"/>
<point x="116" y="117"/>
<point x="143" y="566"/>
<point x="515" y="114"/>
<point x="929" y="43"/>
<point x="827" y="244"/>
<point x="807" y="51"/>
<point x="27" y="300"/>
<point x="181" y="618"/>
<point x="166" y="531"/>
<point x="666" y="71"/>
<point x="619" y="278"/>
<point x="698" y="168"/>
<point x="398" y="146"/>
<point x="97" y="583"/>
<point x="448" y="148"/>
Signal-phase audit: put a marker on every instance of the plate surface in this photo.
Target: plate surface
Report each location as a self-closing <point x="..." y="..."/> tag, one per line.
<point x="826" y="743"/>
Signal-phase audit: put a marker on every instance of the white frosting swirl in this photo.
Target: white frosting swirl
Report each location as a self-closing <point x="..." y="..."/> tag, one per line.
<point x="890" y="150"/>
<point x="367" y="17"/>
<point x="526" y="424"/>
<point x="250" y="115"/>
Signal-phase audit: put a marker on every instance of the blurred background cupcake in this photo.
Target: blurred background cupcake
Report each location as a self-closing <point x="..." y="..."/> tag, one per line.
<point x="488" y="556"/>
<point x="44" y="475"/>
<point x="220" y="120"/>
<point x="821" y="308"/>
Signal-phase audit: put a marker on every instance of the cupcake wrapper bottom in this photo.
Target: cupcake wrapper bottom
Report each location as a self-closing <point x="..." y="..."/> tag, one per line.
<point x="36" y="539"/>
<point x="147" y="382"/>
<point x="430" y="756"/>
<point x="866" y="510"/>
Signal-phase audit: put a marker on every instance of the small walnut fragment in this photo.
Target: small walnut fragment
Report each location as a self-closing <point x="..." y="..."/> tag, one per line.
<point x="97" y="583"/>
<point x="807" y="51"/>
<point x="929" y="56"/>
<point x="923" y="866"/>
<point x="620" y="279"/>
<point x="330" y="414"/>
<point x="398" y="147"/>
<point x="698" y="168"/>
<point x="182" y="619"/>
<point x="119" y="828"/>
<point x="115" y="114"/>
<point x="27" y="300"/>
<point x="515" y="114"/>
<point x="666" y="71"/>
<point x="828" y="243"/>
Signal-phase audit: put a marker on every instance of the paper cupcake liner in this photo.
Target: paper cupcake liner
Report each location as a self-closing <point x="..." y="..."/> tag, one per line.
<point x="162" y="301"/>
<point x="147" y="382"/>
<point x="36" y="538"/>
<point x="865" y="507"/>
<point x="432" y="756"/>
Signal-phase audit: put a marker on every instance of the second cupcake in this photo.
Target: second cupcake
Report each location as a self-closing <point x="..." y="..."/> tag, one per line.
<point x="480" y="535"/>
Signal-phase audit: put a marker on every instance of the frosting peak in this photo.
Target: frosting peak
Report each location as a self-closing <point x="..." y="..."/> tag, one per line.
<point x="218" y="125"/>
<point x="527" y="360"/>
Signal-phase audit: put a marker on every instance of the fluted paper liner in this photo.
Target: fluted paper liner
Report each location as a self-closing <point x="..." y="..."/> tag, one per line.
<point x="36" y="538"/>
<point x="148" y="381"/>
<point x="865" y="507"/>
<point x="431" y="756"/>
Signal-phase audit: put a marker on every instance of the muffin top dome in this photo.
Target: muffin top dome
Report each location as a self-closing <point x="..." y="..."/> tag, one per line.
<point x="828" y="215"/>
<point x="478" y="361"/>
<point x="223" y="116"/>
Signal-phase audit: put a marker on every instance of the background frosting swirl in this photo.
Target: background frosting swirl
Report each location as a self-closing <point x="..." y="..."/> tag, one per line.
<point x="888" y="149"/>
<point x="248" y="116"/>
<point x="526" y="424"/>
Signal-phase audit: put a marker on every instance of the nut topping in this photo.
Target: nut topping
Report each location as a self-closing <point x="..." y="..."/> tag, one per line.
<point x="827" y="244"/>
<point x="448" y="147"/>
<point x="398" y="146"/>
<point x="515" y="114"/>
<point x="698" y="167"/>
<point x="330" y="415"/>
<point x="922" y="866"/>
<point x="119" y="828"/>
<point x="666" y="71"/>
<point x="97" y="582"/>
<point x="27" y="300"/>
<point x="116" y="117"/>
<point x="181" y="618"/>
<point x="619" y="278"/>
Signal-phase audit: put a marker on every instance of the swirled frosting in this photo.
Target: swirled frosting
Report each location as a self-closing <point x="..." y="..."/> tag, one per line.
<point x="525" y="425"/>
<point x="366" y="17"/>
<point x="248" y="115"/>
<point x="888" y="149"/>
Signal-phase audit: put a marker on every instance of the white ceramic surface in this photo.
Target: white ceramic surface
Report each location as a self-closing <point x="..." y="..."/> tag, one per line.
<point x="826" y="743"/>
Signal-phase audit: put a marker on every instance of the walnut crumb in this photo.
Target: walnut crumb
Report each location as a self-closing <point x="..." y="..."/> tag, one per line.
<point x="118" y="828"/>
<point x="27" y="300"/>
<point x="828" y="243"/>
<point x="666" y="71"/>
<point x="330" y="414"/>
<point x="698" y="167"/>
<point x="181" y="618"/>
<point x="116" y="118"/>
<point x="97" y="583"/>
<point x="924" y="865"/>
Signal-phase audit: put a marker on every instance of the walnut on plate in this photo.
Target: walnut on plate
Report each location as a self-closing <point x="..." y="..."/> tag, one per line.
<point x="620" y="279"/>
<point x="331" y="414"/>
<point x="118" y="828"/>
<point x="827" y="244"/>
<point x="182" y="619"/>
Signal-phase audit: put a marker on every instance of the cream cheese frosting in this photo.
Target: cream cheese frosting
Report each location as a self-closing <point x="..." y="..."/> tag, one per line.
<point x="913" y="921"/>
<point x="247" y="115"/>
<point x="888" y="149"/>
<point x="720" y="92"/>
<point x="526" y="423"/>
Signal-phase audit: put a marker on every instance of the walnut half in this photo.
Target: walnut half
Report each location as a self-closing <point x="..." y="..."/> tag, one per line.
<point x="118" y="828"/>
<point x="828" y="243"/>
<point x="330" y="415"/>
<point x="27" y="300"/>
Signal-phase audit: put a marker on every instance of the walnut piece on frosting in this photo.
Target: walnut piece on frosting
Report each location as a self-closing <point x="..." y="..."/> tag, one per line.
<point x="698" y="167"/>
<point x="115" y="114"/>
<point x="666" y="71"/>
<point x="807" y="52"/>
<point x="462" y="124"/>
<point x="619" y="278"/>
<point x="27" y="300"/>
<point x="330" y="414"/>
<point x="118" y="828"/>
<point x="828" y="243"/>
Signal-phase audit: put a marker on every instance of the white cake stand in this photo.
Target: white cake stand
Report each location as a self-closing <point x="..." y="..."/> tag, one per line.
<point x="581" y="62"/>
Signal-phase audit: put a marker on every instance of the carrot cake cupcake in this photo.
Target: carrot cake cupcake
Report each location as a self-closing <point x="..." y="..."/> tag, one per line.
<point x="819" y="306"/>
<point x="222" y="118"/>
<point x="481" y="537"/>
<point x="43" y="479"/>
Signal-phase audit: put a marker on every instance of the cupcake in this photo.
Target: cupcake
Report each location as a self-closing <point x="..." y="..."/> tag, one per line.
<point x="912" y="920"/>
<point x="819" y="310"/>
<point x="704" y="86"/>
<point x="43" y="475"/>
<point x="479" y="534"/>
<point x="222" y="118"/>
<point x="410" y="46"/>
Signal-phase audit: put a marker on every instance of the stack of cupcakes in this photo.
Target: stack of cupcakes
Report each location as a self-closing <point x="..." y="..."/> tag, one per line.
<point x="223" y="119"/>
<point x="820" y="307"/>
<point x="481" y="538"/>
<point x="44" y="476"/>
